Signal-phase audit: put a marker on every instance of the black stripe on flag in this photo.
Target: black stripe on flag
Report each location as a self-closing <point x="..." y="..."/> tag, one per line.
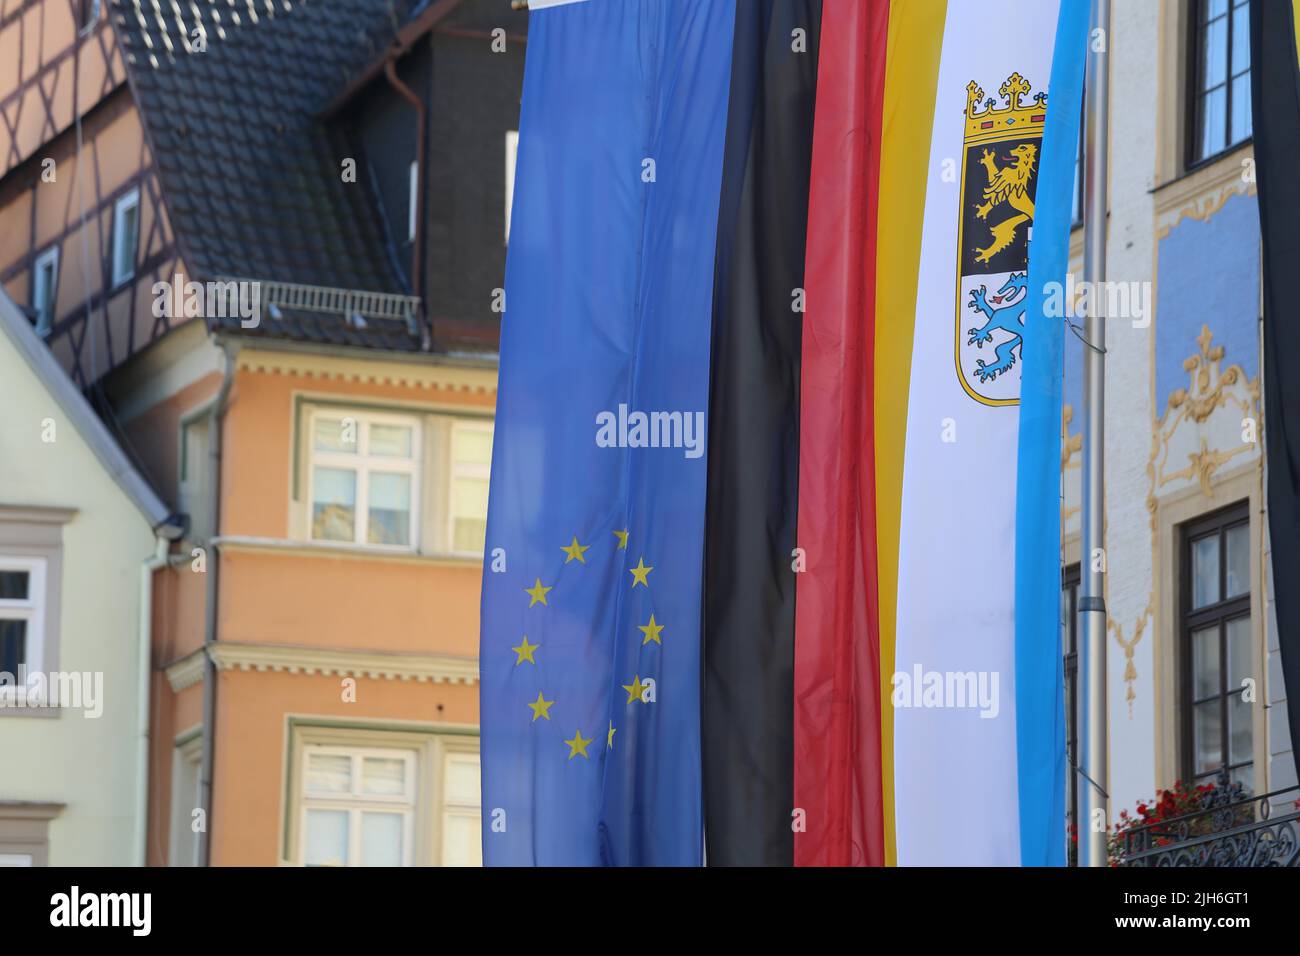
<point x="1275" y="92"/>
<point x="749" y="584"/>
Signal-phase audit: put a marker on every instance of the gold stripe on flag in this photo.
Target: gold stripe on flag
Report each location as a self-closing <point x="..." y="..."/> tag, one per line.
<point x="911" y="75"/>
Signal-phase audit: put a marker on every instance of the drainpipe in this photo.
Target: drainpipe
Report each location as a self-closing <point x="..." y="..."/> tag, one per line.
<point x="421" y="150"/>
<point x="215" y="420"/>
<point x="144" y="647"/>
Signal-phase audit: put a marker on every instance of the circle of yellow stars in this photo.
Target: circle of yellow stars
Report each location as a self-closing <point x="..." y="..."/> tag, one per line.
<point x="525" y="651"/>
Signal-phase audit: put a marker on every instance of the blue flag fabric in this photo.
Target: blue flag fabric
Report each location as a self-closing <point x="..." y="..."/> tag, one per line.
<point x="1040" y="693"/>
<point x="590" y="639"/>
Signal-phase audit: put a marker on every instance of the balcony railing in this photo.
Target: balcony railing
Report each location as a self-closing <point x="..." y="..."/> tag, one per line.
<point x="1261" y="830"/>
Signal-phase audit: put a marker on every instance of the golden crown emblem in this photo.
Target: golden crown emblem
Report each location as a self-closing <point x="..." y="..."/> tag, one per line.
<point x="986" y="120"/>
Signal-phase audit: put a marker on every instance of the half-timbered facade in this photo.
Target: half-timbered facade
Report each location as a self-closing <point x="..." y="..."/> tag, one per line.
<point x="83" y="231"/>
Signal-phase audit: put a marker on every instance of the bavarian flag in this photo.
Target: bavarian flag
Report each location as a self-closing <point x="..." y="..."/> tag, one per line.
<point x="772" y="555"/>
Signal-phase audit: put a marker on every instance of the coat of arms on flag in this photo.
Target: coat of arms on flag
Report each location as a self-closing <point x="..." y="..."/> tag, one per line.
<point x="998" y="179"/>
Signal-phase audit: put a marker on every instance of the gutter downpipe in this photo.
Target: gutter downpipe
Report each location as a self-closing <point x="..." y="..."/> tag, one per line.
<point x="217" y="417"/>
<point x="160" y="559"/>
<point x="421" y="152"/>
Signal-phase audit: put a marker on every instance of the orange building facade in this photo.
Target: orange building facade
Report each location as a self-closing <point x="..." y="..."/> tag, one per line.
<point x="346" y="670"/>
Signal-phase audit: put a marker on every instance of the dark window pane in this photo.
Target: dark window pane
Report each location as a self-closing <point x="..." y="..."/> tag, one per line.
<point x="1240" y="734"/>
<point x="1241" y="38"/>
<point x="1246" y="777"/>
<point x="1214" y="54"/>
<point x="390" y="509"/>
<point x="1241" y="117"/>
<point x="1069" y="618"/>
<point x="13" y="645"/>
<point x="1237" y="558"/>
<point x="1205" y="663"/>
<point x="1237" y="632"/>
<point x="13" y="585"/>
<point x="1213" y="117"/>
<point x="1207" y="736"/>
<point x="1205" y="571"/>
<point x="334" y="505"/>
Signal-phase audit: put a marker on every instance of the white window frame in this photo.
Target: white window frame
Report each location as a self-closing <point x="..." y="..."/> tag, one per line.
<point x="512" y="153"/>
<point x="448" y="808"/>
<point x="31" y="610"/>
<point x="123" y="263"/>
<point x="183" y="849"/>
<point x="363" y="465"/>
<point x="43" y="304"/>
<point x="412" y="201"/>
<point x="355" y="802"/>
<point x="192" y="470"/>
<point x="456" y="469"/>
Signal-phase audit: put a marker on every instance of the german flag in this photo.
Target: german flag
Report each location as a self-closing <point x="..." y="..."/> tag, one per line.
<point x="923" y="649"/>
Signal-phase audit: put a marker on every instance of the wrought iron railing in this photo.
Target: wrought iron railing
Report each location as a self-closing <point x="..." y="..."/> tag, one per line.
<point x="348" y="302"/>
<point x="1261" y="830"/>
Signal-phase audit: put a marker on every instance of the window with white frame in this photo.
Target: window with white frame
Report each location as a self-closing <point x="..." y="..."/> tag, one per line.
<point x="126" y="236"/>
<point x="183" y="849"/>
<point x="365" y="478"/>
<point x="471" y="468"/>
<point x="462" y="815"/>
<point x="22" y="615"/>
<point x="512" y="150"/>
<point x="45" y="285"/>
<point x="357" y="807"/>
<point x="194" y="498"/>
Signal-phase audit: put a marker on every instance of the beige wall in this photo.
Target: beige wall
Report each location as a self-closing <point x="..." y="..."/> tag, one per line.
<point x="88" y="764"/>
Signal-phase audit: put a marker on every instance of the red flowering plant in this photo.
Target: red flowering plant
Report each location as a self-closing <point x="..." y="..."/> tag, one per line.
<point x="1178" y="814"/>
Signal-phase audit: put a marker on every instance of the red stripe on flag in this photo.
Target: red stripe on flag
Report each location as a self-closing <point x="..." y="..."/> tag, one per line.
<point x="837" y="773"/>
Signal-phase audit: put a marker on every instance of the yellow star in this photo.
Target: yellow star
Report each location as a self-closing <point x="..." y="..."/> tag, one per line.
<point x="612" y="730"/>
<point x="577" y="745"/>
<point x="541" y="707"/>
<point x="537" y="593"/>
<point x="524" y="652"/>
<point x="575" y="551"/>
<point x="622" y="540"/>
<point x="634" y="689"/>
<point x="640" y="573"/>
<point x="651" y="631"/>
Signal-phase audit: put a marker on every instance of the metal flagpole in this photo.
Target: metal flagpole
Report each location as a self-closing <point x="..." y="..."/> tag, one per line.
<point x="1093" y="771"/>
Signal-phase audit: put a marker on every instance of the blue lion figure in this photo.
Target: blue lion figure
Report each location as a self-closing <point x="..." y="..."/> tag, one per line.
<point x="1009" y="318"/>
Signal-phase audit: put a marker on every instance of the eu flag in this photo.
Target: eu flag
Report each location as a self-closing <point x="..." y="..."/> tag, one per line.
<point x="590" y="643"/>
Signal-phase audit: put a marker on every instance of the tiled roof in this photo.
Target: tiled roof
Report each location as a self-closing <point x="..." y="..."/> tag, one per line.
<point x="251" y="176"/>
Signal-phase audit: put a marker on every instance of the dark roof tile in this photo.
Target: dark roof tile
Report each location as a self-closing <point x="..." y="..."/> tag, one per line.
<point x="249" y="172"/>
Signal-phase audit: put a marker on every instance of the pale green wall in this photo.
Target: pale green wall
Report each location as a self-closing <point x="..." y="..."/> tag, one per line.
<point x="90" y="765"/>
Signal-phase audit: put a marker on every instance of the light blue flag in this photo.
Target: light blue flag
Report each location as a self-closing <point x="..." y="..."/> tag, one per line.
<point x="1040" y="715"/>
